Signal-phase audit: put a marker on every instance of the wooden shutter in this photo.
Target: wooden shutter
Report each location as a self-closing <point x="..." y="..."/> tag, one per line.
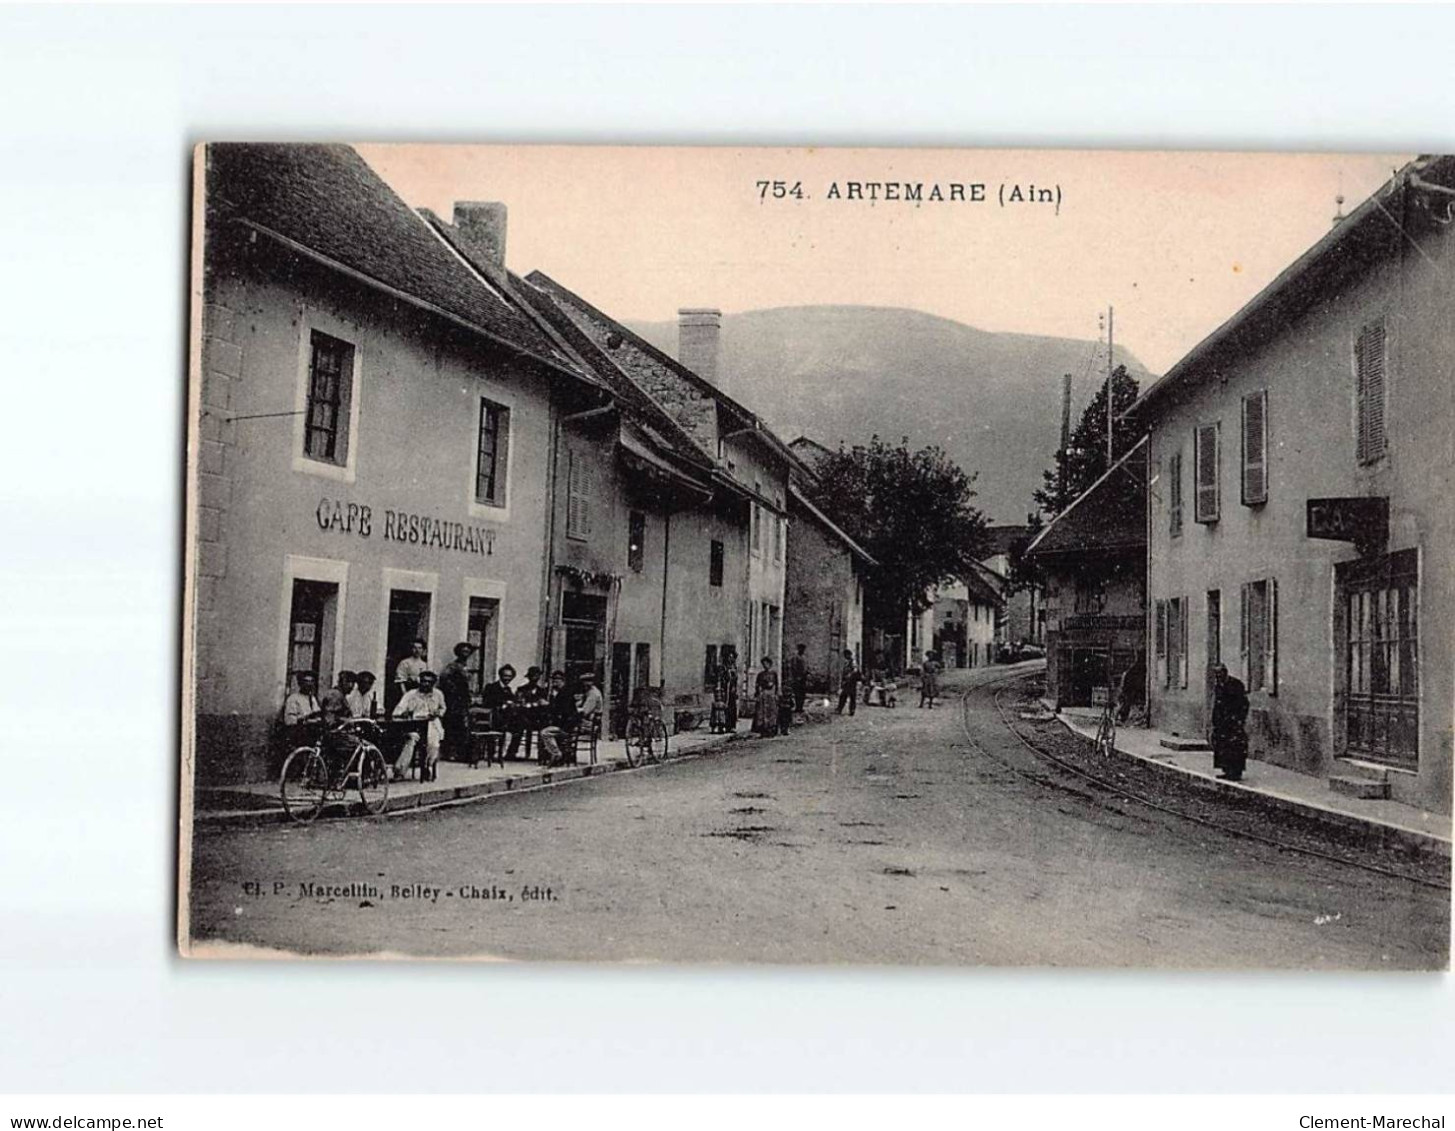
<point x="1270" y="661"/>
<point x="1255" y="448"/>
<point x="1182" y="619"/>
<point x="1369" y="364"/>
<point x="578" y="509"/>
<point x="1243" y="633"/>
<point x="502" y="455"/>
<point x="1174" y="491"/>
<point x="1159" y="640"/>
<point x="1205" y="457"/>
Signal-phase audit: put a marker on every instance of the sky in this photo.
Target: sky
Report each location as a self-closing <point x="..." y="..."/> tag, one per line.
<point x="1175" y="242"/>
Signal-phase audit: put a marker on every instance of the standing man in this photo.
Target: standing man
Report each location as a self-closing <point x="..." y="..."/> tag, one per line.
<point x="422" y="703"/>
<point x="455" y="686"/>
<point x="849" y="685"/>
<point x="406" y="675"/>
<point x="301" y="713"/>
<point x="1229" y="739"/>
<point x="798" y="678"/>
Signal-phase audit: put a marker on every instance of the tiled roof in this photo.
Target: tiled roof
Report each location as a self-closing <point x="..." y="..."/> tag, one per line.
<point x="1001" y="539"/>
<point x="325" y="200"/>
<point x="1111" y="514"/>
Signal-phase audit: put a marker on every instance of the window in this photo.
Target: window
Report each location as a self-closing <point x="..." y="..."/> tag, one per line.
<point x="643" y="672"/>
<point x="1170" y="641"/>
<point x="1369" y="365"/>
<point x="1378" y="615"/>
<point x="490" y="457"/>
<point x="709" y="669"/>
<point x="1255" y="448"/>
<point x="1258" y="634"/>
<point x="578" y="497"/>
<point x="313" y="603"/>
<point x="480" y="631"/>
<point x="1174" y="492"/>
<point x="757" y="521"/>
<point x="636" y="540"/>
<point x="1206" y="459"/>
<point x="330" y="393"/>
<point x="777" y="538"/>
<point x="714" y="565"/>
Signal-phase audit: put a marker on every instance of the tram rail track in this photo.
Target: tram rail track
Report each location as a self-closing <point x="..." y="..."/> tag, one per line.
<point x="997" y="688"/>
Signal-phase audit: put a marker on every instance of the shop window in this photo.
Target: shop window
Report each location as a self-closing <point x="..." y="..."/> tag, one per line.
<point x="313" y="606"/>
<point x="636" y="540"/>
<point x="330" y="395"/>
<point x="1206" y="459"/>
<point x="492" y="448"/>
<point x="1255" y="448"/>
<point x="1369" y="369"/>
<point x="1378" y="604"/>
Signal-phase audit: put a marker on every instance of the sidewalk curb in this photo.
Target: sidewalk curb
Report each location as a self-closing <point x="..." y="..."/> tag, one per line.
<point x="1375" y="832"/>
<point x="459" y="794"/>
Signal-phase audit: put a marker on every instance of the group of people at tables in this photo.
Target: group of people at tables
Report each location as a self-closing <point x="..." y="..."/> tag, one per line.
<point x="435" y="709"/>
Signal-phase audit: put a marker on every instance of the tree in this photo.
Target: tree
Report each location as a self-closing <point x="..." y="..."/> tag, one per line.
<point x="911" y="511"/>
<point x="1083" y="461"/>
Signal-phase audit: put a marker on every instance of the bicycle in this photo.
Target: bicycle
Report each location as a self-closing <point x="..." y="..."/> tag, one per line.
<point x="646" y="733"/>
<point x="307" y="783"/>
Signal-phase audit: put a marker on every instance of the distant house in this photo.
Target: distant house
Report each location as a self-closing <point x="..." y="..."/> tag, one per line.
<point x="967" y="614"/>
<point x="1022" y="619"/>
<point x="1302" y="529"/>
<point x="1093" y="557"/>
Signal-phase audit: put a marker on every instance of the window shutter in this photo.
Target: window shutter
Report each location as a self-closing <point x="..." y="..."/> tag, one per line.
<point x="578" y="520"/>
<point x="1255" y="448"/>
<point x="1174" y="489"/>
<point x="1182" y="620"/>
<point x="1271" y="662"/>
<point x="1205" y="456"/>
<point x="502" y="454"/>
<point x="1243" y="630"/>
<point x="1369" y="364"/>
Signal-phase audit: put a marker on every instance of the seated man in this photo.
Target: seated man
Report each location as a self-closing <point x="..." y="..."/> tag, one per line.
<point x="363" y="699"/>
<point x="521" y="715"/>
<point x="561" y="718"/>
<point x="301" y="712"/>
<point x="424" y="702"/>
<point x="333" y="708"/>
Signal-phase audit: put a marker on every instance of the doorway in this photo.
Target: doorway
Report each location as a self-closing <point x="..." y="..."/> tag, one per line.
<point x="583" y="617"/>
<point x="1214" y="650"/>
<point x="408" y="621"/>
<point x="621" y="682"/>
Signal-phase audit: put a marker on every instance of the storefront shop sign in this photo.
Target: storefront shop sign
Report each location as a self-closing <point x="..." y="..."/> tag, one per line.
<point x="1363" y="520"/>
<point x="402" y="526"/>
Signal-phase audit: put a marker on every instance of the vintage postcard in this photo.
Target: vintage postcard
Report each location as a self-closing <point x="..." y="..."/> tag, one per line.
<point x="974" y="557"/>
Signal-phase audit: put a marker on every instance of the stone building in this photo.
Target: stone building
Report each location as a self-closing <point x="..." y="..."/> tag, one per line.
<point x="371" y="427"/>
<point x="968" y="615"/>
<point x="1302" y="531"/>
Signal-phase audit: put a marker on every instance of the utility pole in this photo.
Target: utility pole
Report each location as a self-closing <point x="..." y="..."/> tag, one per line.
<point x="1110" y="323"/>
<point x="1065" y="432"/>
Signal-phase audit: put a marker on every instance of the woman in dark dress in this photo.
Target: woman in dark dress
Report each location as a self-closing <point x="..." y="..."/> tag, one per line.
<point x="1229" y="739"/>
<point x="765" y="713"/>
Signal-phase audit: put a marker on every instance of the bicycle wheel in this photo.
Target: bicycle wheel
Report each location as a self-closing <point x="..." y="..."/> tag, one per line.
<point x="655" y="740"/>
<point x="373" y="777"/>
<point x="634" y="747"/>
<point x="303" y="783"/>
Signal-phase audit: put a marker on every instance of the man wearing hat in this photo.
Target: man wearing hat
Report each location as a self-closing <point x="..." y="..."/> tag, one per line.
<point x="455" y="685"/>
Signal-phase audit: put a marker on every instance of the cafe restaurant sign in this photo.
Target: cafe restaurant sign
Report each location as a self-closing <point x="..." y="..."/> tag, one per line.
<point x="402" y="526"/>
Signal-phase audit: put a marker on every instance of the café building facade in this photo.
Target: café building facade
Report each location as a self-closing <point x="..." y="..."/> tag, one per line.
<point x="371" y="433"/>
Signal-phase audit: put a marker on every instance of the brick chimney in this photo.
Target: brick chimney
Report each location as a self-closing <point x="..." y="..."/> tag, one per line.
<point x="698" y="331"/>
<point x="481" y="227"/>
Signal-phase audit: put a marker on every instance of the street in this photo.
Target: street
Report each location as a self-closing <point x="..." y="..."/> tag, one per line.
<point x="886" y="838"/>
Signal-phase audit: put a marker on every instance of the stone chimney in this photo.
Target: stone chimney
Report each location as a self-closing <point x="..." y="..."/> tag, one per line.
<point x="698" y="331"/>
<point x="481" y="228"/>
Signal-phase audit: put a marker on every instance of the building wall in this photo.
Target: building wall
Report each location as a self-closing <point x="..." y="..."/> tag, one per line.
<point x="1309" y="376"/>
<point x="267" y="515"/>
<point x="824" y="601"/>
<point x="766" y="569"/>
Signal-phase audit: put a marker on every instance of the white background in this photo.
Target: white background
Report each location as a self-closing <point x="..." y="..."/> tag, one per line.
<point x="98" y="111"/>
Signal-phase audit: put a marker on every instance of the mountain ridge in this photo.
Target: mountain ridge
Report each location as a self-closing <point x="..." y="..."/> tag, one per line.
<point x="842" y="373"/>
